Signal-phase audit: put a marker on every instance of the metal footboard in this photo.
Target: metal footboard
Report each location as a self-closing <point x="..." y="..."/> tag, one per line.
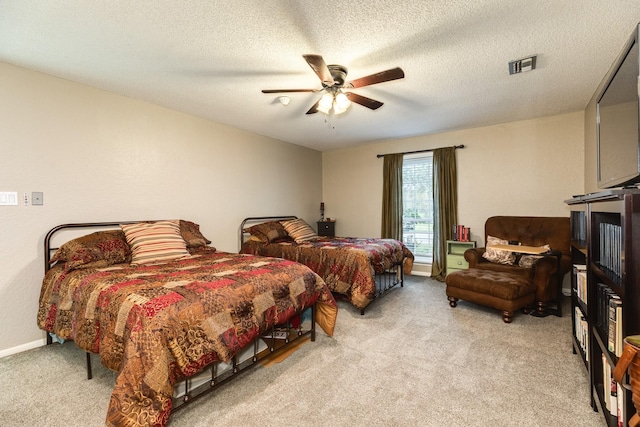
<point x="387" y="280"/>
<point x="276" y="339"/>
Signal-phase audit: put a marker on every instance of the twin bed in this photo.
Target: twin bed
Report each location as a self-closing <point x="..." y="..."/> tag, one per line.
<point x="357" y="269"/>
<point x="176" y="318"/>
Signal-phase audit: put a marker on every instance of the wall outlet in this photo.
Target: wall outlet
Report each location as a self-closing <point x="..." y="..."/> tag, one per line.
<point x="36" y="198"/>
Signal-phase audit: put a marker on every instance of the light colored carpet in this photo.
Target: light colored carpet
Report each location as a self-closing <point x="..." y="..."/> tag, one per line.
<point x="411" y="360"/>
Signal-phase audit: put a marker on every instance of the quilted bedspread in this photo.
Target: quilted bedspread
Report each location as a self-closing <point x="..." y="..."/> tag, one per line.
<point x="156" y="323"/>
<point x="347" y="265"/>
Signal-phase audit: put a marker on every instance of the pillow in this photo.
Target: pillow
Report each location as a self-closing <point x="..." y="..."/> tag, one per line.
<point x="268" y="231"/>
<point x="95" y="250"/>
<point x="497" y="255"/>
<point x="528" y="260"/>
<point x="299" y="230"/>
<point x="190" y="232"/>
<point x="159" y="241"/>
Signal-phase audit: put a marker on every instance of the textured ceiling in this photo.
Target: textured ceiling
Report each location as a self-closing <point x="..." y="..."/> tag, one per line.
<point x="212" y="58"/>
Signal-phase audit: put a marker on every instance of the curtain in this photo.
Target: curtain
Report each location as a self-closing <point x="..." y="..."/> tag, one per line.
<point x="445" y="206"/>
<point x="392" y="197"/>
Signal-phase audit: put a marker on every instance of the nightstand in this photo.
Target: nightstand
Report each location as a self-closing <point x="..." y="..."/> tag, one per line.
<point x="327" y="228"/>
<point x="455" y="255"/>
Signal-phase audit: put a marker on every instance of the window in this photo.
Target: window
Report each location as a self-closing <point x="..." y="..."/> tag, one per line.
<point x="417" y="205"/>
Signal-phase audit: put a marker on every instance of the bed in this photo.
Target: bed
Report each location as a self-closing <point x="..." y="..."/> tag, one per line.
<point x="357" y="269"/>
<point x="161" y="306"/>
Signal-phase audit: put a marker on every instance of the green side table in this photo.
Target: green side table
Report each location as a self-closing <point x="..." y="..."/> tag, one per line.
<point x="455" y="255"/>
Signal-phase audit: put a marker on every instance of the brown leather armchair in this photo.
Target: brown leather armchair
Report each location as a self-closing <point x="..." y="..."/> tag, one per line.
<point x="531" y="231"/>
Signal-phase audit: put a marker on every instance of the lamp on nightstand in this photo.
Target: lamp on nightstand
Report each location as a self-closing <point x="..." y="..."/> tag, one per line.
<point x="321" y="211"/>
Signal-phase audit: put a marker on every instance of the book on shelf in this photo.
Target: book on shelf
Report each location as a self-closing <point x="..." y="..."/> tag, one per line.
<point x="615" y="323"/>
<point x="606" y="380"/>
<point x="581" y="331"/>
<point x="607" y="389"/>
<point x="619" y="341"/>
<point x="578" y="226"/>
<point x="611" y="247"/>
<point x="609" y="318"/>
<point x="461" y="233"/>
<point x="580" y="272"/>
<point x="613" y="396"/>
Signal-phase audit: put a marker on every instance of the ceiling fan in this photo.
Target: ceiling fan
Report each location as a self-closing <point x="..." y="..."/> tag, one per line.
<point x="333" y="82"/>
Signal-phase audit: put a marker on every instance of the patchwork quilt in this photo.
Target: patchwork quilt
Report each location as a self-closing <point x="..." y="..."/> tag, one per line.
<point x="347" y="265"/>
<point x="155" y="324"/>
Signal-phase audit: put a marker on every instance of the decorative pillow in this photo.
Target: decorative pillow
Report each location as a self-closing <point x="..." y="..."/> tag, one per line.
<point x="190" y="232"/>
<point x="95" y="250"/>
<point x="160" y="241"/>
<point x="268" y="231"/>
<point x="497" y="255"/>
<point x="299" y="230"/>
<point x="528" y="260"/>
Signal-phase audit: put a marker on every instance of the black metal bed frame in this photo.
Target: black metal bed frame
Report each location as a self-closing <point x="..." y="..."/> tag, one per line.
<point x="288" y="335"/>
<point x="384" y="281"/>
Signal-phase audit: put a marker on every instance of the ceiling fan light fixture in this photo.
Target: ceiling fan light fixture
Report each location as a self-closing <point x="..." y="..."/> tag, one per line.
<point x="284" y="100"/>
<point x="341" y="103"/>
<point x="326" y="103"/>
<point x="333" y="78"/>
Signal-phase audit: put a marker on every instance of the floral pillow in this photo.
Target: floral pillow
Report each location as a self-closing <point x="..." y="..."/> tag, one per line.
<point x="528" y="260"/>
<point x="190" y="232"/>
<point x="497" y="255"/>
<point x="268" y="231"/>
<point x="95" y="250"/>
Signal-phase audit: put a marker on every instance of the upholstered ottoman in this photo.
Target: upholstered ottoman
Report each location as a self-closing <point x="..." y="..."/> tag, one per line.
<point x="503" y="291"/>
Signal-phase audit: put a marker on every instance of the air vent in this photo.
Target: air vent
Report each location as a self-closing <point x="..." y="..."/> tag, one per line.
<point x="522" y="65"/>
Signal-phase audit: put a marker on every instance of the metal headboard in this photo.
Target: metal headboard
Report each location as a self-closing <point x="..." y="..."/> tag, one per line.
<point x="49" y="249"/>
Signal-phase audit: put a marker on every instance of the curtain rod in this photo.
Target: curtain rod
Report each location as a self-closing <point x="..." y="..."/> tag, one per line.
<point x="422" y="151"/>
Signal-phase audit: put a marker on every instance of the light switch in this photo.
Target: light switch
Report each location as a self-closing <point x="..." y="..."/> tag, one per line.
<point x="8" y="198"/>
<point x="36" y="198"/>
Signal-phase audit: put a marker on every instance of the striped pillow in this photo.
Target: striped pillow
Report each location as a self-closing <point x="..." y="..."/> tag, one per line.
<point x="160" y="241"/>
<point x="299" y="230"/>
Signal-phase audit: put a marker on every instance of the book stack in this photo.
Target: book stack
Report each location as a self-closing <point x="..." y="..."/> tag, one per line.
<point x="581" y="331"/>
<point x="609" y="318"/>
<point x="578" y="226"/>
<point x="461" y="233"/>
<point x="580" y="272"/>
<point x="614" y="397"/>
<point x="611" y="248"/>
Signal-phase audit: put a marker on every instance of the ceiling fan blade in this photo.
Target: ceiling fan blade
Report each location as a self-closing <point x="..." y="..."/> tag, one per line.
<point x="314" y="109"/>
<point x="364" y="101"/>
<point x="381" y="77"/>
<point x="287" y="90"/>
<point x="318" y="65"/>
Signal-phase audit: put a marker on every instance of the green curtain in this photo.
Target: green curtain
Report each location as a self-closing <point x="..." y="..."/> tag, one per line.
<point x="445" y="203"/>
<point x="392" y="197"/>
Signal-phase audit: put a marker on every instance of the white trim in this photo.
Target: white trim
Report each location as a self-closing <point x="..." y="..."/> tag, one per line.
<point x="24" y="347"/>
<point x="420" y="273"/>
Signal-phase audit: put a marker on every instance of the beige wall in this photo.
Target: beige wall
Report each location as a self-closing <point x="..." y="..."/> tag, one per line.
<point x="520" y="168"/>
<point x="102" y="157"/>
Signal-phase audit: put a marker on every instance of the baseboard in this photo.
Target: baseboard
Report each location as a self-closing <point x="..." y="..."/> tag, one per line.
<point x="24" y="347"/>
<point x="421" y="273"/>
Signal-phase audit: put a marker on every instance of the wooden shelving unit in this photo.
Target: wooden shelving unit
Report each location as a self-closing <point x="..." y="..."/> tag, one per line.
<point x="606" y="274"/>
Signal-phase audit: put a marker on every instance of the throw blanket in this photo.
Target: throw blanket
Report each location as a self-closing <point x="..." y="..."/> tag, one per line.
<point x="157" y="323"/>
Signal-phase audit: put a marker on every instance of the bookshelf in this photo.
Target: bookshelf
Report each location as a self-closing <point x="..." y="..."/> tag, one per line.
<point x="605" y="291"/>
